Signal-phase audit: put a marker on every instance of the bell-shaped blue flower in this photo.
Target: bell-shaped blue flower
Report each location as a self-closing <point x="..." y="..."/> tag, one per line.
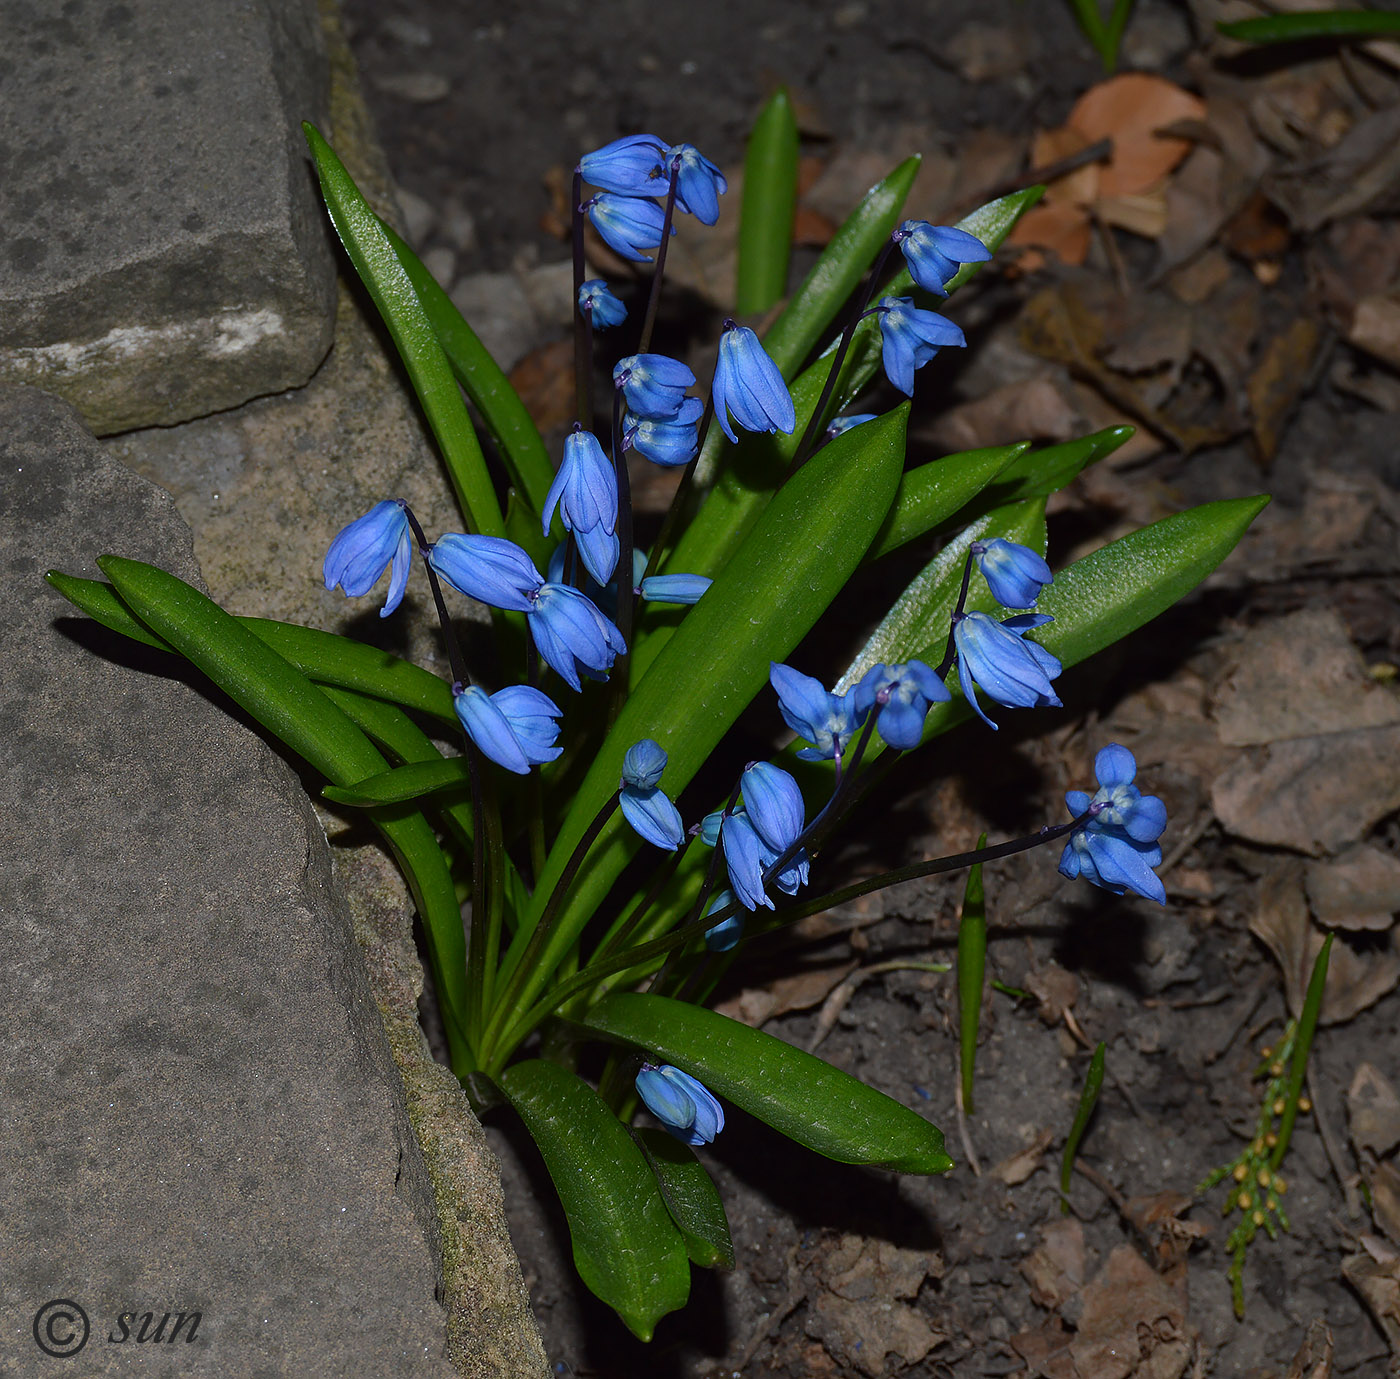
<point x="571" y="633"/>
<point x="911" y="338"/>
<point x="724" y="935"/>
<point x="515" y="727"/>
<point x="489" y="568"/>
<point x="651" y="813"/>
<point x="585" y="492"/>
<point x="935" y="252"/>
<point x="699" y="184"/>
<point x="995" y="657"/>
<point x="710" y="828"/>
<point x="774" y="804"/>
<point x="628" y="224"/>
<point x="1014" y="573"/>
<point x="668" y="441"/>
<point x="748" y="386"/>
<point x="903" y="694"/>
<point x="653" y="384"/>
<point x="828" y="721"/>
<point x="680" y="1103"/>
<point x="630" y="166"/>
<point x="362" y="551"/>
<point x="1116" y="847"/>
<point x="599" y="306"/>
<point x="743" y="856"/>
<point x="674" y="588"/>
<point x="840" y="425"/>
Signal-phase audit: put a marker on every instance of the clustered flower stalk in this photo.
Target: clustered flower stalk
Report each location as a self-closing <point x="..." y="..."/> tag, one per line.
<point x="582" y="613"/>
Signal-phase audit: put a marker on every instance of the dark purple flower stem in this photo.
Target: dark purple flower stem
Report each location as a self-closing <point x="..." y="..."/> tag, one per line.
<point x="654" y="299"/>
<point x="583" y="322"/>
<point x="951" y="650"/>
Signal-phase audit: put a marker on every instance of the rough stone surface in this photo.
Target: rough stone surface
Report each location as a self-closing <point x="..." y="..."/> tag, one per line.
<point x="165" y="252"/>
<point x="200" y="1112"/>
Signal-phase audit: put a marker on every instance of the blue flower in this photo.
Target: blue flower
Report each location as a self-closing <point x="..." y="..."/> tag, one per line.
<point x="840" y="425"/>
<point x="748" y="856"/>
<point x="710" y="828"/>
<point x="630" y="165"/>
<point x="699" y="185"/>
<point x="666" y="441"/>
<point x="774" y="805"/>
<point x="597" y="303"/>
<point x="643" y="763"/>
<point x="1117" y="847"/>
<point x="674" y="588"/>
<point x="488" y="568"/>
<point x="749" y="387"/>
<point x="653" y="384"/>
<point x="571" y="633"/>
<point x="828" y="721"/>
<point x="724" y="935"/>
<point x="911" y="338"/>
<point x="651" y="813"/>
<point x="628" y="224"/>
<point x="1015" y="574"/>
<point x="934" y="252"/>
<point x="680" y="1103"/>
<point x="585" y="491"/>
<point x="1008" y="669"/>
<point x="362" y="551"/>
<point x="903" y="694"/>
<point x="515" y="727"/>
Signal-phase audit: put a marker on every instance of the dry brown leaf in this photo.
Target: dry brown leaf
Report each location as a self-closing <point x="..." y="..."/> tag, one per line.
<point x="1360" y="173"/>
<point x="1055" y="1269"/>
<point x="1036" y="409"/>
<point x="1197" y="281"/>
<point x="1373" y="1111"/>
<point x="1359" y="890"/>
<point x="1314" y="1357"/>
<point x="757" y="1005"/>
<point x="1133" y="1322"/>
<point x="1384" y="1181"/>
<point x="1277" y="383"/>
<point x="1375" y="327"/>
<point x="1046" y="1350"/>
<point x="1019" y="1166"/>
<point x="1060" y="228"/>
<point x="1158" y="1219"/>
<point x="1375" y="1274"/>
<point x="1055" y="988"/>
<point x="1130" y="109"/>
<point x="860" y="1335"/>
<point x="857" y="1269"/>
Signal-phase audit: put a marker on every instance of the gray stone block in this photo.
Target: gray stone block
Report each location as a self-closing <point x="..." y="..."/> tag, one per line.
<point x="198" y="1106"/>
<point x="164" y="252"/>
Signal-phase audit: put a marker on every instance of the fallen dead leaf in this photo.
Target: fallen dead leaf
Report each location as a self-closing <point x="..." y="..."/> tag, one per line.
<point x="857" y="1269"/>
<point x="1279" y="380"/>
<point x="1374" y="1272"/>
<point x="1313" y="1359"/>
<point x="1015" y="1169"/>
<point x="1046" y="1350"/>
<point x="1036" y="409"/>
<point x="1055" y="1269"/>
<point x="1384" y="1181"/>
<point x="801" y="991"/>
<point x="1157" y="1218"/>
<point x="1133" y="1322"/>
<point x="860" y="1335"/>
<point x="1056" y="988"/>
<point x="1373" y="1111"/>
<point x="1358" y="890"/>
<point x="1375" y="327"/>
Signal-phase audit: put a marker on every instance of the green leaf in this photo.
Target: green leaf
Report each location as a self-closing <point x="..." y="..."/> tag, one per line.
<point x="972" y="970"/>
<point x="389" y="285"/>
<point x="626" y="1247"/>
<point x="100" y="602"/>
<point x="1088" y="1099"/>
<point x="403" y="783"/>
<point x="691" y="1197"/>
<point x="803" y="1098"/>
<point x="511" y="426"/>
<point x="769" y="204"/>
<point x="1294" y="28"/>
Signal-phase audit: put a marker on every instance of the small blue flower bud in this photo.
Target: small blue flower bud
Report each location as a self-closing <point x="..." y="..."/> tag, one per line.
<point x="585" y="491"/>
<point x="710" y="828"/>
<point x="1009" y="669"/>
<point x="911" y="338"/>
<point x="1015" y="574"/>
<point x="597" y="303"/>
<point x="628" y="224"/>
<point x="489" y="568"/>
<point x="571" y="634"/>
<point x="515" y="727"/>
<point x="749" y="387"/>
<point x="653" y="384"/>
<point x="840" y="425"/>
<point x="903" y="694"/>
<point x="643" y="764"/>
<point x="699" y="184"/>
<point x="683" y="1105"/>
<point x="364" y="549"/>
<point x="828" y="721"/>
<point x="727" y="932"/>
<point x="630" y="166"/>
<point x="934" y="252"/>
<point x="667" y="441"/>
<point x="674" y="588"/>
<point x="774" y="804"/>
<point x="1116" y="848"/>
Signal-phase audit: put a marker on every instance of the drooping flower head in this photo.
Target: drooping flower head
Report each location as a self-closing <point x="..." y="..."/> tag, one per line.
<point x="754" y="836"/>
<point x="828" y="721"/>
<point x="585" y="492"/>
<point x="935" y="252"/>
<point x="597" y="303"/>
<point x="1116" y="847"/>
<point x="668" y="441"/>
<point x="903" y="695"/>
<point x="653" y="384"/>
<point x="995" y="657"/>
<point x="630" y="166"/>
<point x="749" y="387"/>
<point x="646" y="808"/>
<point x="488" y="568"/>
<point x="515" y="727"/>
<point x="699" y="184"/>
<point x="1014" y="573"/>
<point x="628" y="224"/>
<point x="364" y="549"/>
<point x="684" y="589"/>
<point x="683" y="1105"/>
<point x="911" y="338"/>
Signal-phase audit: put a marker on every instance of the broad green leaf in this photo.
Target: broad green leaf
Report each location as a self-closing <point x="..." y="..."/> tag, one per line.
<point x="809" y="1101"/>
<point x="100" y="602"/>
<point x="512" y="427"/>
<point x="290" y="707"/>
<point x="1294" y="28"/>
<point x="929" y="495"/>
<point x="411" y="782"/>
<point x="769" y="203"/>
<point x="626" y="1247"/>
<point x="775" y="588"/>
<point x="691" y="1197"/>
<point x="371" y="252"/>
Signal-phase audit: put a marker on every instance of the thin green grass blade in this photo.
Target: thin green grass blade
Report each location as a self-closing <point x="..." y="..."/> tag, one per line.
<point x="1088" y="1099"/>
<point x="972" y="971"/>
<point x="1302" y="1047"/>
<point x="1296" y="28"/>
<point x="769" y="204"/>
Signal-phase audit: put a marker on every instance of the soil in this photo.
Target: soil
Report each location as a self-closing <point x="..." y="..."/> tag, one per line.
<point x="835" y="1264"/>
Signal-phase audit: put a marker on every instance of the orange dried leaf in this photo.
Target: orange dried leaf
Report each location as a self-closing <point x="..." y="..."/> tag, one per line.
<point x="1130" y="109"/>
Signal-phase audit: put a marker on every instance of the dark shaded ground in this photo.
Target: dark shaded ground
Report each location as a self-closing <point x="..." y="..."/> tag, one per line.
<point x="1183" y="998"/>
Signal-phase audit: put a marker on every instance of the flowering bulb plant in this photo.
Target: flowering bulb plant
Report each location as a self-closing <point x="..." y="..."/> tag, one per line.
<point x="608" y="896"/>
